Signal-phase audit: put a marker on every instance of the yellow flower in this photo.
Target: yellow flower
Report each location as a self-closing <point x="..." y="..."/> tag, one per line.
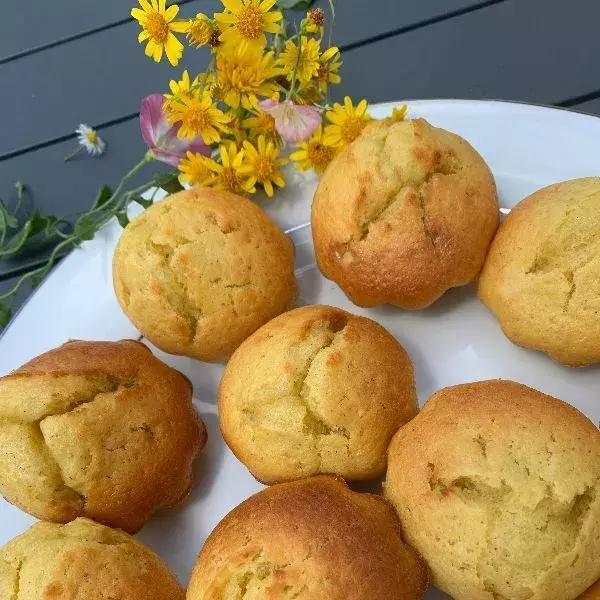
<point x="184" y="88"/>
<point x="159" y="29"/>
<point x="261" y="123"/>
<point x="194" y="169"/>
<point x="313" y="154"/>
<point x="262" y="164"/>
<point x="198" y="116"/>
<point x="227" y="174"/>
<point x="307" y="66"/>
<point x="199" y="31"/>
<point x="315" y="21"/>
<point x="347" y="122"/>
<point x="329" y="65"/>
<point x="308" y="93"/>
<point x="242" y="76"/>
<point x="237" y="129"/>
<point x="245" y="22"/>
<point x="399" y="114"/>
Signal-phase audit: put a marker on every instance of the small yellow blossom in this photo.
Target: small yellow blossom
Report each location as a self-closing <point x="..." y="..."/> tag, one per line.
<point x="307" y="66"/>
<point x="329" y="65"/>
<point x="199" y="31"/>
<point x="227" y="175"/>
<point x="241" y="76"/>
<point x="347" y="122"/>
<point x="198" y="116"/>
<point x="261" y="123"/>
<point x="194" y="169"/>
<point x="313" y="154"/>
<point x="315" y="21"/>
<point x="399" y="113"/>
<point x="159" y="28"/>
<point x="262" y="164"/>
<point x="184" y="88"/>
<point x="245" y="22"/>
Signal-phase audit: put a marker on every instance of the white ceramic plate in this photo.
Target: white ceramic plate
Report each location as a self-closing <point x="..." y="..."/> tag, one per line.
<point x="454" y="341"/>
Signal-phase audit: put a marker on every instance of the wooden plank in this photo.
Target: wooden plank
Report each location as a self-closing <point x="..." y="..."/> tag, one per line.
<point x="513" y="50"/>
<point x="102" y="77"/>
<point x="591" y="106"/>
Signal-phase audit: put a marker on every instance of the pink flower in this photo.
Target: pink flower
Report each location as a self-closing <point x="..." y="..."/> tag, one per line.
<point x="161" y="137"/>
<point x="294" y="123"/>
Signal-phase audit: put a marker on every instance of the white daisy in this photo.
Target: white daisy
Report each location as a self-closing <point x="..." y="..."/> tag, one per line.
<point x="90" y="140"/>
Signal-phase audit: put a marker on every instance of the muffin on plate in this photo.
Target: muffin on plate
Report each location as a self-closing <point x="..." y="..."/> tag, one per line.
<point x="541" y="278"/>
<point x="498" y="487"/>
<point x="97" y="429"/>
<point x="83" y="561"/>
<point x="312" y="539"/>
<point x="404" y="213"/>
<point x="200" y="271"/>
<point x="316" y="390"/>
<point x="593" y="593"/>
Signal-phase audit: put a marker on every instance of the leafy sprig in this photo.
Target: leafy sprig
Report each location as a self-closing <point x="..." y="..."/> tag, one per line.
<point x="17" y="235"/>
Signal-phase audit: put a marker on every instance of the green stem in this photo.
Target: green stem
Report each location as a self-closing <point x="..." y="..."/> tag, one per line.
<point x="74" y="153"/>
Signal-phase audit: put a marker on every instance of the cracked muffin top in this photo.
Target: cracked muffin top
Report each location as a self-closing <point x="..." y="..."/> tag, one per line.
<point x="312" y="539"/>
<point x="316" y="390"/>
<point x="404" y="213"/>
<point x="541" y="278"/>
<point x="498" y="487"/>
<point x="198" y="272"/>
<point x="97" y="429"/>
<point x="83" y="561"/>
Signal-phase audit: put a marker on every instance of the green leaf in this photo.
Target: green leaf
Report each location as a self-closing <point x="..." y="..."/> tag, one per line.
<point x="168" y="181"/>
<point x="143" y="202"/>
<point x="122" y="218"/>
<point x="85" y="228"/>
<point x="8" y="219"/>
<point x="32" y="227"/>
<point x="5" y="314"/>
<point x="297" y="4"/>
<point x="104" y="195"/>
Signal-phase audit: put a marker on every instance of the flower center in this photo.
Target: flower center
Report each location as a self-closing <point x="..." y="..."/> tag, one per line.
<point x="263" y="168"/>
<point x="157" y="27"/>
<point x="92" y="137"/>
<point x="197" y="119"/>
<point x="267" y="123"/>
<point x="230" y="179"/>
<point x="200" y="32"/>
<point x="319" y="155"/>
<point x="351" y="128"/>
<point x="249" y="22"/>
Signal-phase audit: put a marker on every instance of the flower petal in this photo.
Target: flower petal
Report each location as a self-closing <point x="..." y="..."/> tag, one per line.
<point x="171" y="12"/>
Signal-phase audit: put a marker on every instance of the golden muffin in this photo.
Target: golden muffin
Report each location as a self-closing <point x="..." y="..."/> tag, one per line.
<point x="200" y="271"/>
<point x="404" y="213"/>
<point x="312" y="539"/>
<point x="97" y="429"/>
<point x="593" y="593"/>
<point x="541" y="278"/>
<point x="498" y="487"/>
<point x="316" y="390"/>
<point x="83" y="561"/>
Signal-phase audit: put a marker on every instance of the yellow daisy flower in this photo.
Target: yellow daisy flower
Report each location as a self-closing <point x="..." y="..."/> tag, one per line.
<point x="315" y="21"/>
<point x="245" y="22"/>
<point x="329" y="65"/>
<point x="313" y="154"/>
<point x="262" y="164"/>
<point x="347" y="122"/>
<point x="243" y="76"/>
<point x="227" y="174"/>
<point x="261" y="123"/>
<point x="199" y="116"/>
<point x="194" y="169"/>
<point x="399" y="113"/>
<point x="199" y="31"/>
<point x="184" y="88"/>
<point x="307" y="66"/>
<point x="159" y="28"/>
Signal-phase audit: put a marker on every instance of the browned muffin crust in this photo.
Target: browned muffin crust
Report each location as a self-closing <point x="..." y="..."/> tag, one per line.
<point x="592" y="593"/>
<point x="97" y="429"/>
<point x="200" y="271"/>
<point x="83" y="560"/>
<point x="312" y="539"/>
<point x="404" y="213"/>
<point x="316" y="390"/>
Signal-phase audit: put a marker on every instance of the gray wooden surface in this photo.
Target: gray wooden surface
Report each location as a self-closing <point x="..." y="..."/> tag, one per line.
<point x="69" y="61"/>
